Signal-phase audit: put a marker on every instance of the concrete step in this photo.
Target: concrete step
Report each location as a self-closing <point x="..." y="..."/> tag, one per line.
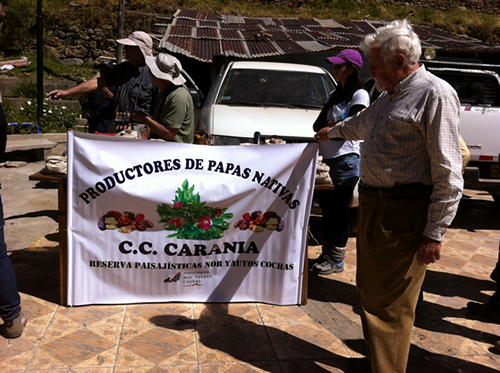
<point x="34" y="147"/>
<point x="27" y="142"/>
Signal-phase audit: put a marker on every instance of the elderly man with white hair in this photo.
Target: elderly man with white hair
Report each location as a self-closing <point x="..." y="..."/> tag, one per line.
<point x="136" y="91"/>
<point x="410" y="187"/>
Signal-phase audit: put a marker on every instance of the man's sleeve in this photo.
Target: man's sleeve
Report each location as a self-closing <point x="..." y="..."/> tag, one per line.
<point x="119" y="75"/>
<point x="145" y="99"/>
<point x="173" y="115"/>
<point x="443" y="147"/>
<point x="352" y="128"/>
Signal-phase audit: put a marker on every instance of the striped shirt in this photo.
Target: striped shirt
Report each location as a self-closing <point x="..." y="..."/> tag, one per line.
<point x="412" y="136"/>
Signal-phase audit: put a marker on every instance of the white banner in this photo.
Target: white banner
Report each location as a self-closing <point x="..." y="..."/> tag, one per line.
<point x="157" y="222"/>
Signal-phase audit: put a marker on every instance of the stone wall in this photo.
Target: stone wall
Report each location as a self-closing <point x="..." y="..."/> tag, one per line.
<point x="76" y="45"/>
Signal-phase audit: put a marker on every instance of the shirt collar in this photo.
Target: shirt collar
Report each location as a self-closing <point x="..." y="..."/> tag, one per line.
<point x="409" y="79"/>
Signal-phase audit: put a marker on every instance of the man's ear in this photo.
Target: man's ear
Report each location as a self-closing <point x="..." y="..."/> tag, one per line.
<point x="400" y="60"/>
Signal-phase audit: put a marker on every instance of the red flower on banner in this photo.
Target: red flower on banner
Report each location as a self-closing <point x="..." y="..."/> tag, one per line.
<point x="191" y="218"/>
<point x="217" y="213"/>
<point x="205" y="222"/>
<point x="176" y="222"/>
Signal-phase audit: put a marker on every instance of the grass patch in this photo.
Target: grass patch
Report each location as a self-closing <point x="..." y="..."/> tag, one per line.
<point x="25" y="89"/>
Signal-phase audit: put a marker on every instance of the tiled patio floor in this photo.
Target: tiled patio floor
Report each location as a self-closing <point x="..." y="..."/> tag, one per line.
<point x="252" y="337"/>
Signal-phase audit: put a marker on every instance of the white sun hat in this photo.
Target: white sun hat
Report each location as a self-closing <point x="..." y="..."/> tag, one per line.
<point x="166" y="67"/>
<point x="139" y="39"/>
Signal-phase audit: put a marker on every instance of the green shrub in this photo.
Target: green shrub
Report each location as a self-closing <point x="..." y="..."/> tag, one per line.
<point x="56" y="118"/>
<point x="24" y="90"/>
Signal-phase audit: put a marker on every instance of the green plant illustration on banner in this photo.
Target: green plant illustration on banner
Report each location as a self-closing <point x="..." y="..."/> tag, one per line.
<point x="192" y="219"/>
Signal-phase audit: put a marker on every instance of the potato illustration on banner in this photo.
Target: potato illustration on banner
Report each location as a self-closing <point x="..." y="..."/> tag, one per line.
<point x="259" y="222"/>
<point x="125" y="222"/>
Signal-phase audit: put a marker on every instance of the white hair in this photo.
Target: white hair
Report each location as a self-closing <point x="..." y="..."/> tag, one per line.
<point x="392" y="39"/>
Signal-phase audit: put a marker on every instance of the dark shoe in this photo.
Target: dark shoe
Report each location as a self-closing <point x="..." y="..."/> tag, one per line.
<point x="326" y="266"/>
<point x="312" y="262"/>
<point x="488" y="311"/>
<point x="14" y="328"/>
<point x="497" y="345"/>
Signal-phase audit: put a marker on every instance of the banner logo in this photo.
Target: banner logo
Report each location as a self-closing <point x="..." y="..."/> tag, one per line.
<point x="176" y="278"/>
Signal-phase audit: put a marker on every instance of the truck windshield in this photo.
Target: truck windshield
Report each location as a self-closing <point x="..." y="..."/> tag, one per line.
<point x="247" y="87"/>
<point x="473" y="89"/>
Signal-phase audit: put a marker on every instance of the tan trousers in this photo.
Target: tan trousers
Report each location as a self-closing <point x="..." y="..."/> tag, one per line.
<point x="388" y="277"/>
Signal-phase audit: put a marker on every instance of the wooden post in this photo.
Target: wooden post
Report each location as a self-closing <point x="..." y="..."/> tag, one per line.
<point x="121" y="17"/>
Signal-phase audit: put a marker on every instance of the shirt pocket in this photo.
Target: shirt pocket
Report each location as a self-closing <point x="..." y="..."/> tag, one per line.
<point x="401" y="125"/>
<point x="400" y="132"/>
<point x="399" y="122"/>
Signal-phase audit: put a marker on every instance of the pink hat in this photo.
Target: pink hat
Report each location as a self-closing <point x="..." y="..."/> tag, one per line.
<point x="347" y="55"/>
<point x="139" y="39"/>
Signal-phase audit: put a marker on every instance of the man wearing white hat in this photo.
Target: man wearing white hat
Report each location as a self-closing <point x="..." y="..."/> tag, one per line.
<point x="136" y="91"/>
<point x="173" y="113"/>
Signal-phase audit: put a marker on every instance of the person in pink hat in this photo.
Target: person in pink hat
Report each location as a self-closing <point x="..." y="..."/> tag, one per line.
<point x="135" y="90"/>
<point x="173" y="115"/>
<point x="342" y="156"/>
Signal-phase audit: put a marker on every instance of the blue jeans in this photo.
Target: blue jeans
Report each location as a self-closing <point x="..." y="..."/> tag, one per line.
<point x="344" y="171"/>
<point x="10" y="301"/>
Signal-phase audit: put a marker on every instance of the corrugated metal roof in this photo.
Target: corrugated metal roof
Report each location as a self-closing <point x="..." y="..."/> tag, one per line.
<point x="330" y="23"/>
<point x="299" y="36"/>
<point x="313" y="46"/>
<point x="230" y="35"/>
<point x="185" y="22"/>
<point x="278" y="35"/>
<point x="207" y="33"/>
<point x="181" y="31"/>
<point x="202" y="35"/>
<point x="234" y="48"/>
<point x="206" y="49"/>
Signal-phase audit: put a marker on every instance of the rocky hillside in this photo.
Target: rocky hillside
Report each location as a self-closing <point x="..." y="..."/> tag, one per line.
<point x="85" y="32"/>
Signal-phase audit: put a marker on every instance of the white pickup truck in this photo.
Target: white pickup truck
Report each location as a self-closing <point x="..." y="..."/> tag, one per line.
<point x="478" y="87"/>
<point x="270" y="98"/>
